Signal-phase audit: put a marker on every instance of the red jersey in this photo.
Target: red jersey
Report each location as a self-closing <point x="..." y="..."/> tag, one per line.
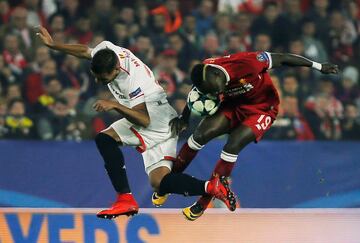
<point x="247" y="77"/>
<point x="250" y="97"/>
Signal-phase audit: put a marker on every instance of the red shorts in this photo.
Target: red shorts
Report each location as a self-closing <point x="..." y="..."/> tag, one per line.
<point x="258" y="117"/>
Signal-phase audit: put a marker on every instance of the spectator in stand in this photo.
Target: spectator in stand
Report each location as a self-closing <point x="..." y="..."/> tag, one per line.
<point x="3" y="112"/>
<point x="73" y="75"/>
<point x="81" y="30"/>
<point x="77" y="129"/>
<point x="42" y="55"/>
<point x="102" y="13"/>
<point x="241" y="26"/>
<point x="204" y="15"/>
<point x="52" y="90"/>
<point x="18" y="124"/>
<point x="291" y="124"/>
<point x="144" y="49"/>
<point x="324" y="112"/>
<point x="33" y="86"/>
<point x="57" y="23"/>
<point x="296" y="47"/>
<point x="267" y="22"/>
<point x="13" y="91"/>
<point x="351" y="123"/>
<point x="4" y="12"/>
<point x="142" y="16"/>
<point x="184" y="50"/>
<point x="341" y="37"/>
<point x="12" y="54"/>
<point x="71" y="11"/>
<point x="157" y="33"/>
<point x="59" y="124"/>
<point x="7" y="76"/>
<point x="167" y="72"/>
<point x="188" y="31"/>
<point x="27" y="41"/>
<point x="353" y="14"/>
<point x="234" y="44"/>
<point x="319" y="14"/>
<point x="349" y="90"/>
<point x="313" y="47"/>
<point x="120" y="34"/>
<point x="287" y="26"/>
<point x="210" y="47"/>
<point x="262" y="42"/>
<point x="254" y="7"/>
<point x="172" y="15"/>
<point x="72" y="97"/>
<point x="35" y="16"/>
<point x="127" y="16"/>
<point x="290" y="86"/>
<point x="222" y="30"/>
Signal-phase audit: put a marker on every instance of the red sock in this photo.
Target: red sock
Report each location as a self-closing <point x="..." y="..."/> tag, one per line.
<point x="222" y="168"/>
<point x="184" y="158"/>
<point x="186" y="155"/>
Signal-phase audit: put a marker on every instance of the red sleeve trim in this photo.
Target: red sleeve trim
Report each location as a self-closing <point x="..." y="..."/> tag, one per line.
<point x="142" y="147"/>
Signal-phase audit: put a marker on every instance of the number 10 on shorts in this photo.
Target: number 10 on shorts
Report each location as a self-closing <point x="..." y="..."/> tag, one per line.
<point x="263" y="123"/>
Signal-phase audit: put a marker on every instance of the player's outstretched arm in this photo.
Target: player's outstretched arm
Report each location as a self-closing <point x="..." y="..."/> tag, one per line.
<point x="77" y="50"/>
<point x="285" y="59"/>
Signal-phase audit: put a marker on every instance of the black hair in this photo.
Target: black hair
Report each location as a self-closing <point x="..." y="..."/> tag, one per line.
<point x="104" y="61"/>
<point x="197" y="74"/>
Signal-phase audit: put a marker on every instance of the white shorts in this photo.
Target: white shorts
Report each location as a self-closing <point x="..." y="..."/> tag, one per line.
<point x="155" y="142"/>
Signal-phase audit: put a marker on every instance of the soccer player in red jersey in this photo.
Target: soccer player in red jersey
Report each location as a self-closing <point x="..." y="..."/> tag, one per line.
<point x="249" y="107"/>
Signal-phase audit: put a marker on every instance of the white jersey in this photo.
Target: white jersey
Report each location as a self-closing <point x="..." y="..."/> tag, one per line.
<point x="136" y="83"/>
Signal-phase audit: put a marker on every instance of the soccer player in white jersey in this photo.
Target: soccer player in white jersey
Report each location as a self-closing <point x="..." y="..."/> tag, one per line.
<point x="145" y="125"/>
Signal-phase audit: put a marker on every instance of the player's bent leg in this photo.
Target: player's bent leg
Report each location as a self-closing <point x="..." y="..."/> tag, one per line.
<point x="209" y="128"/>
<point x="107" y="143"/>
<point x="155" y="177"/>
<point x="238" y="139"/>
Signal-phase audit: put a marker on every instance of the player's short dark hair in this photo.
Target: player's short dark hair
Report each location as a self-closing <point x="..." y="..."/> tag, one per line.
<point x="104" y="61"/>
<point x="197" y="74"/>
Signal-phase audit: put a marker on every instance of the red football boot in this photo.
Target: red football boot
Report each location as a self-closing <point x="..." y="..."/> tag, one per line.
<point x="219" y="188"/>
<point x="125" y="205"/>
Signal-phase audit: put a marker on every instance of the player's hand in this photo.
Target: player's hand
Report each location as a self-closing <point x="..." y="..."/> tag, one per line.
<point x="104" y="105"/>
<point x="178" y="125"/>
<point x="44" y="36"/>
<point x="328" y="68"/>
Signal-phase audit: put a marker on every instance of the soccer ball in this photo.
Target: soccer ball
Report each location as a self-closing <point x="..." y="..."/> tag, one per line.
<point x="201" y="104"/>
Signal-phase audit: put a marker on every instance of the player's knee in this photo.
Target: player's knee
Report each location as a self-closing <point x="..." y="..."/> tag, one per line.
<point x="202" y="137"/>
<point x="234" y="147"/>
<point x="155" y="183"/>
<point x="101" y="139"/>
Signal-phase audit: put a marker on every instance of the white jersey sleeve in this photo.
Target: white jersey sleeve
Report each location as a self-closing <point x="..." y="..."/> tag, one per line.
<point x="102" y="45"/>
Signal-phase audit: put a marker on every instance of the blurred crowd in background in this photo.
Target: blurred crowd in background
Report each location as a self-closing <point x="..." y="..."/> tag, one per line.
<point x="47" y="95"/>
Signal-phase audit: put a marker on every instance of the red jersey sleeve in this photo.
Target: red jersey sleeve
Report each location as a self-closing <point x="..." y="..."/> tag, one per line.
<point x="243" y="64"/>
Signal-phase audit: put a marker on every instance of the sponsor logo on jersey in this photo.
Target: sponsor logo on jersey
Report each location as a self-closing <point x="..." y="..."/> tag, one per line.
<point x="262" y="57"/>
<point x="243" y="81"/>
<point x="135" y="93"/>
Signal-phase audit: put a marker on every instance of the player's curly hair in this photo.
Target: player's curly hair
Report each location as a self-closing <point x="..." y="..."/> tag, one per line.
<point x="197" y="74"/>
<point x="104" y="61"/>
